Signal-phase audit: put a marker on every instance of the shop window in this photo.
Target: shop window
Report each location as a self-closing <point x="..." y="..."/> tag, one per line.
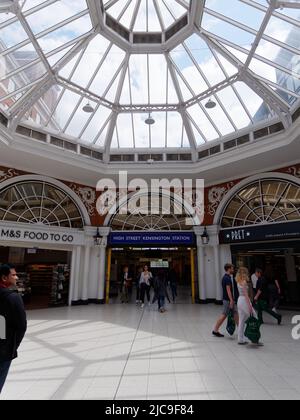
<point x="263" y="202"/>
<point x="39" y="203"/>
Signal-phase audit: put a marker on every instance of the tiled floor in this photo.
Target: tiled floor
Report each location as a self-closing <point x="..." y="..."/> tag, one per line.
<point x="123" y="352"/>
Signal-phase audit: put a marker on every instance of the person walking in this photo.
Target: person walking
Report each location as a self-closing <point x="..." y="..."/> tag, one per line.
<point x="274" y="293"/>
<point x="138" y="288"/>
<point x="126" y="285"/>
<point x="145" y="284"/>
<point x="13" y="312"/>
<point x="262" y="298"/>
<point x="230" y="297"/>
<point x="245" y="308"/>
<point x="254" y="280"/>
<point x="160" y="288"/>
<point x="172" y="278"/>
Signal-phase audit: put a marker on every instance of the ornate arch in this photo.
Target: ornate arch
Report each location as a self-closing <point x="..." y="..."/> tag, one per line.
<point x="272" y="198"/>
<point x="158" y="219"/>
<point x="40" y="200"/>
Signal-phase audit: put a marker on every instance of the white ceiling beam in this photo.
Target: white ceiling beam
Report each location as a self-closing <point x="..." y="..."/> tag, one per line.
<point x="186" y="121"/>
<point x="260" y="34"/>
<point x="79" y="46"/>
<point x="113" y="122"/>
<point x="84" y="92"/>
<point x="196" y="13"/>
<point x="19" y="109"/>
<point x="279" y="106"/>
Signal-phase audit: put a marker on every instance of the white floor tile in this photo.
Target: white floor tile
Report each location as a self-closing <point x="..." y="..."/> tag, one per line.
<point x="96" y="352"/>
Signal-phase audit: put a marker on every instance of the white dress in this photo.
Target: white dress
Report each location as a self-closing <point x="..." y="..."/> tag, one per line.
<point x="244" y="312"/>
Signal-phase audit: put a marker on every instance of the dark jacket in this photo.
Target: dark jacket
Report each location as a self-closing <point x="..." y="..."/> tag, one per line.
<point x="12" y="310"/>
<point x="262" y="286"/>
<point x="160" y="286"/>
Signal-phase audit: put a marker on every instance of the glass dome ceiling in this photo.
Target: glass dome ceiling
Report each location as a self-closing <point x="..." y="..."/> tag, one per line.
<point x="130" y="59"/>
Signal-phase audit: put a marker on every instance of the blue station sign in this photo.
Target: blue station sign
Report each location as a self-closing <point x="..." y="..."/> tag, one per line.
<point x="152" y="238"/>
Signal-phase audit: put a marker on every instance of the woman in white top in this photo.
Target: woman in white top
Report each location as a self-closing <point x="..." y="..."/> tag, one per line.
<point x="145" y="284"/>
<point x="245" y="307"/>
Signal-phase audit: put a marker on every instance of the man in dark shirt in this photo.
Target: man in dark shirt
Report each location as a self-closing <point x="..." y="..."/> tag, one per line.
<point x="262" y="298"/>
<point x="13" y="315"/>
<point x="230" y="298"/>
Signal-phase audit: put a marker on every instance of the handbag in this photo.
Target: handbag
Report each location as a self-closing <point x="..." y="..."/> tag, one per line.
<point x="230" y="323"/>
<point x="253" y="330"/>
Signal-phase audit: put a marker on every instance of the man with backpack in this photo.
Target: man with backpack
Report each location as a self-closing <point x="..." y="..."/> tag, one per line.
<point x="13" y="312"/>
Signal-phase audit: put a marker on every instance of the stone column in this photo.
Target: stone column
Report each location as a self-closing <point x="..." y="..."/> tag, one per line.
<point x="86" y="273"/>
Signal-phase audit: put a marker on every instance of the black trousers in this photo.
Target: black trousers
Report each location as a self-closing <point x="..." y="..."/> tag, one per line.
<point x="145" y="289"/>
<point x="4" y="369"/>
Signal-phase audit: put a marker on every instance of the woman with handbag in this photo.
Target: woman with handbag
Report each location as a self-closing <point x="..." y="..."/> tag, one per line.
<point x="245" y="307"/>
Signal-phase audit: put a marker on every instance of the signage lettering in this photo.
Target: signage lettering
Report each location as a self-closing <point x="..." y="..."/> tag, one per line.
<point x="273" y="231"/>
<point x="29" y="235"/>
<point x="175" y="238"/>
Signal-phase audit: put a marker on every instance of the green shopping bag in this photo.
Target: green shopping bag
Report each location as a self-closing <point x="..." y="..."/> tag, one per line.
<point x="253" y="330"/>
<point x="230" y="323"/>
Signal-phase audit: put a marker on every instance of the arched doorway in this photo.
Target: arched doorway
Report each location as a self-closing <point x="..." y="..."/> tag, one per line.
<point x="158" y="233"/>
<point x="40" y="219"/>
<point x="261" y="222"/>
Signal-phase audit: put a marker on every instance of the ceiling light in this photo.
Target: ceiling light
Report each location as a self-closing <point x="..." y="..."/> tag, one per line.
<point x="88" y="108"/>
<point x="210" y="104"/>
<point x="150" y="120"/>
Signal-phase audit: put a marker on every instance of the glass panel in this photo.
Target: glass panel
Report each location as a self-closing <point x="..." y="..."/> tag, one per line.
<point x="54" y="14"/>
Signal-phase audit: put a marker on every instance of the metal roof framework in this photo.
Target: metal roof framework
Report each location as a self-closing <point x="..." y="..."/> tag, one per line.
<point x="182" y="26"/>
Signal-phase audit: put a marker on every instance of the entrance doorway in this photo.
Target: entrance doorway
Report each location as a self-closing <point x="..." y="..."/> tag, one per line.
<point x="157" y="259"/>
<point x="44" y="275"/>
<point x="280" y="260"/>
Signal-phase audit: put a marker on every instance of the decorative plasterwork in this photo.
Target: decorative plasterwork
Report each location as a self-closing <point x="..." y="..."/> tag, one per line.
<point x="87" y="196"/>
<point x="7" y="174"/>
<point x="216" y="195"/>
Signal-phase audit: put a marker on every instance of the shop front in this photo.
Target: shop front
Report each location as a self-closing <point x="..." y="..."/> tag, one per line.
<point x="261" y="224"/>
<point x="45" y="232"/>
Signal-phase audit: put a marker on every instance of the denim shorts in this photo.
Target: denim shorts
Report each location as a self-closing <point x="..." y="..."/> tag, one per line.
<point x="226" y="308"/>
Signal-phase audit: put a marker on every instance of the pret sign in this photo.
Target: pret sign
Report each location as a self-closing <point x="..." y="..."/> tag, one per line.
<point x="270" y="232"/>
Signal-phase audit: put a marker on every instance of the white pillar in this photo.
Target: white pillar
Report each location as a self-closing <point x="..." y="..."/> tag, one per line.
<point x="102" y="273"/>
<point x="201" y="273"/>
<point x="219" y="293"/>
<point x="77" y="266"/>
<point x="72" y="276"/>
<point x="86" y="273"/>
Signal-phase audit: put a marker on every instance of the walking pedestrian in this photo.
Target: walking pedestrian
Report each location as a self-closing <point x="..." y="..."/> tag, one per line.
<point x="262" y="298"/>
<point x="172" y="278"/>
<point x="230" y="297"/>
<point x="245" y="308"/>
<point x="160" y="287"/>
<point x="145" y="284"/>
<point x="13" y="312"/>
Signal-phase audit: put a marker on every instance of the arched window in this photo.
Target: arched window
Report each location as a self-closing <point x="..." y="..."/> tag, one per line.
<point x="152" y="214"/>
<point x="39" y="203"/>
<point x="262" y="202"/>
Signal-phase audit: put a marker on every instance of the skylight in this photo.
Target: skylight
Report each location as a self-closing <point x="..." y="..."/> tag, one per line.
<point x="57" y="56"/>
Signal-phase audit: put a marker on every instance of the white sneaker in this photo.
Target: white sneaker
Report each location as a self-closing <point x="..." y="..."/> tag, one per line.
<point x="142" y="305"/>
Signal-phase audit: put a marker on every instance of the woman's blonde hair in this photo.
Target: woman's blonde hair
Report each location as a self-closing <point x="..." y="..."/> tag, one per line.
<point x="242" y="275"/>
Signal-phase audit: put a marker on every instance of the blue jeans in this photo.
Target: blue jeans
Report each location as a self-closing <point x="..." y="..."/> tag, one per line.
<point x="161" y="302"/>
<point x="4" y="368"/>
